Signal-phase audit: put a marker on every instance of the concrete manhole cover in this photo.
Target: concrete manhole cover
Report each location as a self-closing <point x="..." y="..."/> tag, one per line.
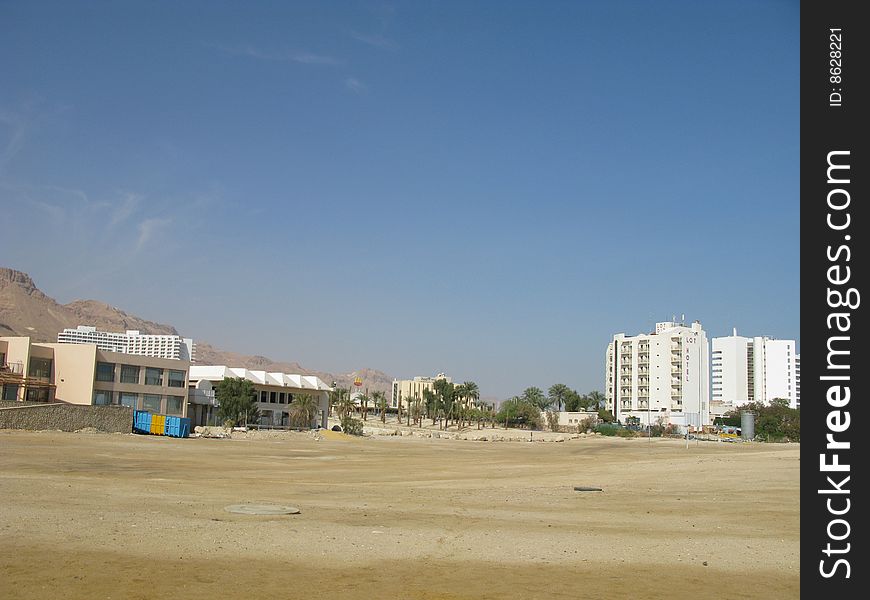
<point x="261" y="509"/>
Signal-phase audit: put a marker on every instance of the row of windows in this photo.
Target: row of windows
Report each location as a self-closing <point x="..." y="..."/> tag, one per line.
<point x="130" y="374"/>
<point x="275" y="397"/>
<point x="10" y="392"/>
<point x="170" y="405"/>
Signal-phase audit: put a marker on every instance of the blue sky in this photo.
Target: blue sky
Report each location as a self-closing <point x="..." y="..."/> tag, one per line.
<point x="490" y="189"/>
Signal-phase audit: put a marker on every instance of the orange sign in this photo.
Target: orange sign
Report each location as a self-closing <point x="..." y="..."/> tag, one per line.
<point x="358" y="381"/>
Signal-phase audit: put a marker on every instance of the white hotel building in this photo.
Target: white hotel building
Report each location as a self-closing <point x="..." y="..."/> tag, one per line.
<point x="756" y="369"/>
<point x="131" y="342"/>
<point x="662" y="376"/>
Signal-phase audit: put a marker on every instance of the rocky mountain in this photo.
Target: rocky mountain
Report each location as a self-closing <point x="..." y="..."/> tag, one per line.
<point x="25" y="310"/>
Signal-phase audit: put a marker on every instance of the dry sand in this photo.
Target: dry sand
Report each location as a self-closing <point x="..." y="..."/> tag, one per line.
<point x="121" y="516"/>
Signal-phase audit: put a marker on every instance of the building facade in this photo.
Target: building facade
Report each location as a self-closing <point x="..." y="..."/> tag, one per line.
<point x="275" y="394"/>
<point x="662" y="376"/>
<point x="797" y="380"/>
<point x="756" y="369"/>
<point x="84" y="374"/>
<point x="131" y="342"/>
<point x="405" y="390"/>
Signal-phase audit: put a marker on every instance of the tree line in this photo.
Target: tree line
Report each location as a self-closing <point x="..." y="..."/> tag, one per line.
<point x="525" y="410"/>
<point x="774" y="422"/>
<point x="444" y="404"/>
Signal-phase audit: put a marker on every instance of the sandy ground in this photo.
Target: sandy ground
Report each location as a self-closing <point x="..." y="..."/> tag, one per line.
<point x="121" y="516"/>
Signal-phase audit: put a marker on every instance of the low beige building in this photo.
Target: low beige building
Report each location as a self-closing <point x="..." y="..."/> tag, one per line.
<point x="83" y="374"/>
<point x="405" y="390"/>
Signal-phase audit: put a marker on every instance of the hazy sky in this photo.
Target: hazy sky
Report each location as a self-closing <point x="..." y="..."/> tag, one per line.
<point x="490" y="189"/>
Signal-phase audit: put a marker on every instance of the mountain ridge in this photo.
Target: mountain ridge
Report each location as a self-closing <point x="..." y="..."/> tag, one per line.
<point x="27" y="311"/>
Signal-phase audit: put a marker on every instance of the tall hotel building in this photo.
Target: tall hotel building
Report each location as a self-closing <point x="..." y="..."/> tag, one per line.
<point x="755" y="369"/>
<point x="662" y="376"/>
<point x="131" y="342"/>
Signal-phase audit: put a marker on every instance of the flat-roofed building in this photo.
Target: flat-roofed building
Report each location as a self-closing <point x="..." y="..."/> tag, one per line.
<point x="84" y="374"/>
<point x="405" y="390"/>
<point x="275" y="394"/>
<point x="131" y="342"/>
<point x="756" y="369"/>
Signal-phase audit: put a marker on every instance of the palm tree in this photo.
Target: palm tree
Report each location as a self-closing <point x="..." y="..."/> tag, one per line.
<point x="444" y="391"/>
<point x="335" y="396"/>
<point x="459" y="395"/>
<point x="380" y="401"/>
<point x="345" y="405"/>
<point x="417" y="408"/>
<point x="535" y="396"/>
<point x="304" y="407"/>
<point x="431" y="400"/>
<point x="364" y="400"/>
<point x="559" y="393"/>
<point x="597" y="398"/>
<point x="472" y="393"/>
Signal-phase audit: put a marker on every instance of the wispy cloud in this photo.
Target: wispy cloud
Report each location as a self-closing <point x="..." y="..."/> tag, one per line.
<point x="305" y="58"/>
<point x="355" y="85"/>
<point x="56" y="189"/>
<point x="17" y="127"/>
<point x="378" y="41"/>
<point x="125" y="209"/>
<point x="148" y="229"/>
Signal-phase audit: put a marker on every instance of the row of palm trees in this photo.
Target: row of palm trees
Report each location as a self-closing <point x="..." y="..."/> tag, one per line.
<point x="560" y="397"/>
<point x="444" y="403"/>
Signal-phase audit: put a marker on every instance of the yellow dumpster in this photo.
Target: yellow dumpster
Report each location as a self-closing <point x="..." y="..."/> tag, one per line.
<point x="158" y="424"/>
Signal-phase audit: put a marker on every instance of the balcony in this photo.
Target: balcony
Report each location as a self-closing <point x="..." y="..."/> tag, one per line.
<point x="202" y="397"/>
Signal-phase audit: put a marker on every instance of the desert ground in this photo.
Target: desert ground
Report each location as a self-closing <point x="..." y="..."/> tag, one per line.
<point x="113" y="516"/>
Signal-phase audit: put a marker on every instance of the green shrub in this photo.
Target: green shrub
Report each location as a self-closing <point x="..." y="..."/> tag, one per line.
<point x="625" y="433"/>
<point x="606" y="429"/>
<point x="351" y="426"/>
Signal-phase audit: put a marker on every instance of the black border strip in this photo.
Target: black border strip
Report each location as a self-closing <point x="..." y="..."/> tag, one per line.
<point x="833" y="232"/>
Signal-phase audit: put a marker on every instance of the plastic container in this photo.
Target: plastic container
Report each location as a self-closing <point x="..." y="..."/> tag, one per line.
<point x="158" y="424"/>
<point x="177" y="427"/>
<point x="142" y="421"/>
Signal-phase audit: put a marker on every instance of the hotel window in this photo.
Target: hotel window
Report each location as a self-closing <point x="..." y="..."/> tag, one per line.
<point x="37" y="395"/>
<point x="174" y="405"/>
<point x="153" y="376"/>
<point x="128" y="399"/>
<point x="105" y="371"/>
<point x="151" y="402"/>
<point x="176" y="379"/>
<point x="273" y="397"/>
<point x="102" y="398"/>
<point x="264" y="397"/>
<point x="129" y="374"/>
<point x="40" y="367"/>
<point x="10" y="392"/>
<point x="281" y="398"/>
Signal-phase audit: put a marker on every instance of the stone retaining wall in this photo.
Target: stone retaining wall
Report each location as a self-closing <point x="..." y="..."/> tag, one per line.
<point x="65" y="417"/>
